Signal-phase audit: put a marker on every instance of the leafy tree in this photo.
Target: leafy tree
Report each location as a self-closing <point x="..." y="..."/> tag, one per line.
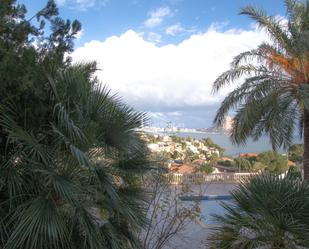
<point x="296" y="152"/>
<point x="27" y="52"/>
<point x="274" y="97"/>
<point x="243" y="164"/>
<point x="253" y="220"/>
<point x="274" y="161"/>
<point x="258" y="166"/>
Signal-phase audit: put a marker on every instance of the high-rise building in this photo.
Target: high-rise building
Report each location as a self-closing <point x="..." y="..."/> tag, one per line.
<point x="228" y="124"/>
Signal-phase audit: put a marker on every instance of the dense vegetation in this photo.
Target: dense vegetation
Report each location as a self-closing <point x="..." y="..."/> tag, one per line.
<point x="267" y="212"/>
<point x="206" y="168"/>
<point x="70" y="159"/>
<point x="296" y="152"/>
<point x="274" y="96"/>
<point x="269" y="161"/>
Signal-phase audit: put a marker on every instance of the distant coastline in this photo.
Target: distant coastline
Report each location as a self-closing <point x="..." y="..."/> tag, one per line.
<point x="224" y="141"/>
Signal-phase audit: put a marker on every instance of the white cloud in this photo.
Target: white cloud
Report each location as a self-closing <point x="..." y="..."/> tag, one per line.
<point x="170" y="77"/>
<point x="174" y="29"/>
<point x="154" y="37"/>
<point x="157" y="16"/>
<point x="82" y="5"/>
<point x="215" y="26"/>
<point x="177" y="29"/>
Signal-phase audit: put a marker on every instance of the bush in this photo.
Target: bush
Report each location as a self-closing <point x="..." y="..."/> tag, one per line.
<point x="243" y="164"/>
<point x="227" y="163"/>
<point x="266" y="212"/>
<point x="257" y="166"/>
<point x="294" y="173"/>
<point x="207" y="168"/>
<point x="274" y="161"/>
<point x="296" y="152"/>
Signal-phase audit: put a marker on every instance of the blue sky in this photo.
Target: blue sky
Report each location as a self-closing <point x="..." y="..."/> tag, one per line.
<point x="162" y="56"/>
<point x="105" y="18"/>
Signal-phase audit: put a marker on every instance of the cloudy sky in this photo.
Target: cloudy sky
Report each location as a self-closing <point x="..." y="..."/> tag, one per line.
<point x="162" y="56"/>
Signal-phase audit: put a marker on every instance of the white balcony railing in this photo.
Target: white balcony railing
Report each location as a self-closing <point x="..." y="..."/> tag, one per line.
<point x="199" y="178"/>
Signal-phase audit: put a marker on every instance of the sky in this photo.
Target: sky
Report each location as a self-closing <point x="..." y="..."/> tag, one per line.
<point x="162" y="56"/>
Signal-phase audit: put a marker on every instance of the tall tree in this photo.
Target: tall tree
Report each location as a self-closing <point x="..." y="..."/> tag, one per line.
<point x="274" y="97"/>
<point x="29" y="48"/>
<point x="70" y="156"/>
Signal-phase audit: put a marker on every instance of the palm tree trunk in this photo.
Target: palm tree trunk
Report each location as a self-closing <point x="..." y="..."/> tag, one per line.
<point x="306" y="145"/>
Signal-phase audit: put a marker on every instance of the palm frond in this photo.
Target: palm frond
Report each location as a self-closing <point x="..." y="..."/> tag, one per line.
<point x="265" y="211"/>
<point x="273" y="26"/>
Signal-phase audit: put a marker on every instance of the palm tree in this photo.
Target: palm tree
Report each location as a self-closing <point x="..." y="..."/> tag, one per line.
<point x="73" y="182"/>
<point x="266" y="212"/>
<point x="274" y="97"/>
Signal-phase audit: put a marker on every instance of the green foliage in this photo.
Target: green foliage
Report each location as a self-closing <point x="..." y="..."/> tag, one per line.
<point x="209" y="143"/>
<point x="258" y="166"/>
<point x="213" y="160"/>
<point x="56" y="179"/>
<point x="87" y="158"/>
<point x="275" y="90"/>
<point x="207" y="168"/>
<point x="269" y="160"/>
<point x="274" y="161"/>
<point x="191" y="156"/>
<point x="252" y="159"/>
<point x="265" y="212"/>
<point x="29" y="51"/>
<point x="69" y="150"/>
<point x="294" y="173"/>
<point x="227" y="163"/>
<point x="243" y="164"/>
<point x="296" y="152"/>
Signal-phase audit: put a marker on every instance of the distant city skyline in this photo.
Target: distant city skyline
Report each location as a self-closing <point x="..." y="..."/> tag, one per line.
<point x="162" y="56"/>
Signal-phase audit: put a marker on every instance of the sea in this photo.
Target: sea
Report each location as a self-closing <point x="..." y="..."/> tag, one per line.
<point x="233" y="150"/>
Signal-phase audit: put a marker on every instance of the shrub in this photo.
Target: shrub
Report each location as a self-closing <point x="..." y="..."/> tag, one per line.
<point x="266" y="212"/>
<point x="227" y="163"/>
<point x="294" y="173"/>
<point x="296" y="152"/>
<point x="274" y="161"/>
<point x="243" y="164"/>
<point x="207" y="168"/>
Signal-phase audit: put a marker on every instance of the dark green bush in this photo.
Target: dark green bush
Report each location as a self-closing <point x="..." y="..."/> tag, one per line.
<point x="266" y="212"/>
